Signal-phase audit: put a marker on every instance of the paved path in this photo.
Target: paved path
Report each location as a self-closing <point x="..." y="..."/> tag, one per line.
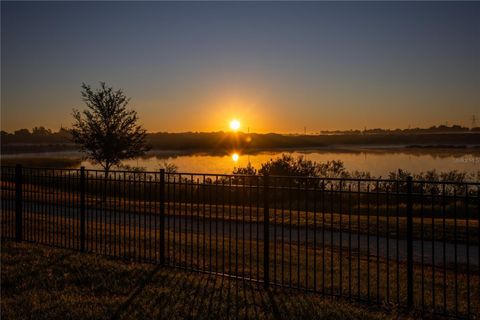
<point x="437" y="253"/>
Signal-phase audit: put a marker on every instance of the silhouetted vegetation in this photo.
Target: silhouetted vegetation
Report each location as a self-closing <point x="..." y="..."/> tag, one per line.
<point x="107" y="132"/>
<point x="43" y="162"/>
<point x="433" y="129"/>
<point x="45" y="140"/>
<point x="286" y="165"/>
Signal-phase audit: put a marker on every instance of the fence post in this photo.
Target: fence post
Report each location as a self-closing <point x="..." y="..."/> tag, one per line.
<point x="18" y="203"/>
<point x="162" y="216"/>
<point x="409" y="243"/>
<point x="266" y="232"/>
<point x="82" y="209"/>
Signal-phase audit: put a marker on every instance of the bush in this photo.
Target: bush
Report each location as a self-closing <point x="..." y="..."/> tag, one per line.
<point x="286" y="165"/>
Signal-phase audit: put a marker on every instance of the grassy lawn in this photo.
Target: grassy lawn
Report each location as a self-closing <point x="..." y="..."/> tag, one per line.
<point x="40" y="282"/>
<point x="337" y="271"/>
<point x="293" y="262"/>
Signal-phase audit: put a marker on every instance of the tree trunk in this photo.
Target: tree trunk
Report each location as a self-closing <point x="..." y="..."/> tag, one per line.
<point x="105" y="183"/>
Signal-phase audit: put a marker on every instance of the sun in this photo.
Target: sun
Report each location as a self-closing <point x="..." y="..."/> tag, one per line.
<point x="235" y="157"/>
<point x="234" y="125"/>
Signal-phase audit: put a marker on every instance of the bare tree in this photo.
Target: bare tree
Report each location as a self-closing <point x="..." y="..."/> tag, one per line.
<point x="107" y="131"/>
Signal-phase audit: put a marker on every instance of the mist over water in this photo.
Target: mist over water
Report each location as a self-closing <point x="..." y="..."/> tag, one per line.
<point x="379" y="162"/>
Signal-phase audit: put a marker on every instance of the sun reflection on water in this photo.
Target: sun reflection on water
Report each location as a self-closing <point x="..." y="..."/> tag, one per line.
<point x="375" y="161"/>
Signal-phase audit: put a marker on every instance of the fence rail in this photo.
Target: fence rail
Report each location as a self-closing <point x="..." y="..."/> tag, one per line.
<point x="409" y="243"/>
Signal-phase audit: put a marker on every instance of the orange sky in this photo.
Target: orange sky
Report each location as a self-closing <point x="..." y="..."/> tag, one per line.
<point x="276" y="66"/>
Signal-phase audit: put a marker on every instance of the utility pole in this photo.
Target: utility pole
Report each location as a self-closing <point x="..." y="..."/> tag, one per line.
<point x="474" y="121"/>
<point x="248" y="155"/>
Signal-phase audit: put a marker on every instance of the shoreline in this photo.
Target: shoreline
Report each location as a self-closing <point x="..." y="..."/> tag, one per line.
<point x="26" y="150"/>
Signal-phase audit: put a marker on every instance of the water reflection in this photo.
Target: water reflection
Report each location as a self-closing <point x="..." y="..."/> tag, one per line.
<point x="378" y="162"/>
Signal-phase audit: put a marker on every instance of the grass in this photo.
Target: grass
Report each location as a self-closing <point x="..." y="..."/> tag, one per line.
<point x="369" y="277"/>
<point x="110" y="238"/>
<point x="40" y="282"/>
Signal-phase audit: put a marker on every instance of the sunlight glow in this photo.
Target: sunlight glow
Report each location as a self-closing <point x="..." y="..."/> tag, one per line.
<point x="234" y="125"/>
<point x="235" y="157"/>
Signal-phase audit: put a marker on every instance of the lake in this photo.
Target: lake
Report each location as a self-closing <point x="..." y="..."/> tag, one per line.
<point x="378" y="161"/>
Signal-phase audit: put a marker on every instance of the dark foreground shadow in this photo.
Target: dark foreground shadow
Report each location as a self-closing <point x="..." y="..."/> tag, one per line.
<point x="138" y="291"/>
<point x="167" y="293"/>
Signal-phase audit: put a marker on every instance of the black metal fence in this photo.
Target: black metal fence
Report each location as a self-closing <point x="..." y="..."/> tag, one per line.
<point x="405" y="243"/>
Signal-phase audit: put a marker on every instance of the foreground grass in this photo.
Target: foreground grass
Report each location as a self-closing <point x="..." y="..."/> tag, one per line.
<point x="328" y="269"/>
<point x="40" y="282"/>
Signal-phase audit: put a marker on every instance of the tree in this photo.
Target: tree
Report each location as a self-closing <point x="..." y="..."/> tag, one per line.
<point x="41" y="131"/>
<point x="107" y="131"/>
<point x="22" y="133"/>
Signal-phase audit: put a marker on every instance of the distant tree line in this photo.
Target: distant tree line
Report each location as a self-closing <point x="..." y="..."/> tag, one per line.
<point x="433" y="129"/>
<point x="37" y="134"/>
<point x="243" y="141"/>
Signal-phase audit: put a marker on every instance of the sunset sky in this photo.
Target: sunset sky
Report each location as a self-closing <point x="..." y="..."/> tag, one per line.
<point x="275" y="66"/>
